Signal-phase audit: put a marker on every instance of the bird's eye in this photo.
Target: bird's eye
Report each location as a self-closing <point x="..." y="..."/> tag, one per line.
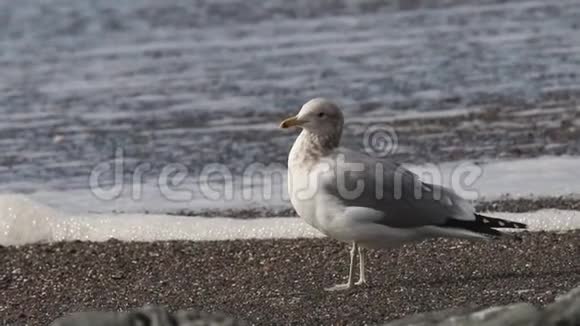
<point x="321" y="114"/>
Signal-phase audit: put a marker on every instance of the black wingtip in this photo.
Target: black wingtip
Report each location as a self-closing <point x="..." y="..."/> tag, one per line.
<point x="473" y="226"/>
<point x="493" y="222"/>
<point x="486" y="225"/>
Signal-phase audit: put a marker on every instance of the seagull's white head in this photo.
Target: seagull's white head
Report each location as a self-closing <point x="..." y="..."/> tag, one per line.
<point x="318" y="116"/>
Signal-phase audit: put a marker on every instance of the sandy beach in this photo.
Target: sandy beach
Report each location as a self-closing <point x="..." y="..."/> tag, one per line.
<point x="281" y="281"/>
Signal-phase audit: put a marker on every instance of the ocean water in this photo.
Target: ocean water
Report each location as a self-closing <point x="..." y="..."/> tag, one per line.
<point x="177" y="83"/>
<point x="99" y="101"/>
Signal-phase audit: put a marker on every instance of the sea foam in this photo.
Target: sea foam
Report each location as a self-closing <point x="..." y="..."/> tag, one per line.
<point x="24" y="221"/>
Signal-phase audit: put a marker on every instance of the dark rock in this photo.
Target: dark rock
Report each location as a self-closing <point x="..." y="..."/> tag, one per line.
<point x="147" y="316"/>
<point x="565" y="311"/>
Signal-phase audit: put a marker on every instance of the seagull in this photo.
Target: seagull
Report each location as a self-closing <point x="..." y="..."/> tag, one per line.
<point x="370" y="202"/>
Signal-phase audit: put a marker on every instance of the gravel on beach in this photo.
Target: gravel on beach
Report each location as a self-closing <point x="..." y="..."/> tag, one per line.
<point x="282" y="281"/>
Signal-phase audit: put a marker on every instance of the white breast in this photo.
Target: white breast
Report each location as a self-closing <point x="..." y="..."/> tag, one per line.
<point x="310" y="166"/>
<point x="300" y="197"/>
<point x="301" y="186"/>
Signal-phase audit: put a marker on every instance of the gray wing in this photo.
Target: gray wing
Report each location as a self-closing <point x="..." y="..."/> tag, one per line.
<point x="397" y="196"/>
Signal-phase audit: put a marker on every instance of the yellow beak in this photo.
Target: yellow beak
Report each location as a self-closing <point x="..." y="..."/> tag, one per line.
<point x="290" y="122"/>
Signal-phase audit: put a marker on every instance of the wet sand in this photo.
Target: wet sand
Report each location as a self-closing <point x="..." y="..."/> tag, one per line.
<point x="282" y="281"/>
